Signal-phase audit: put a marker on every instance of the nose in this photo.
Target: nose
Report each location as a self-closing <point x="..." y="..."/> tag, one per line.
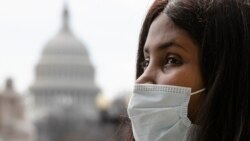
<point x="148" y="76"/>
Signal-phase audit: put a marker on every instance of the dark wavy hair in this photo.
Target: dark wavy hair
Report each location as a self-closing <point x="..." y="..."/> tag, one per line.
<point x="221" y="28"/>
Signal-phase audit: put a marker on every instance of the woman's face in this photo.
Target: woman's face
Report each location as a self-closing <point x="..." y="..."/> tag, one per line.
<point x="171" y="58"/>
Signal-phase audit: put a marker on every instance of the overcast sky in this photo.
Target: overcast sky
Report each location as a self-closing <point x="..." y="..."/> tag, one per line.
<point x="108" y="28"/>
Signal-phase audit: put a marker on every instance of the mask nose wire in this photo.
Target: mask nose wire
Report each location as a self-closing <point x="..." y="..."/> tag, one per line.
<point x="199" y="91"/>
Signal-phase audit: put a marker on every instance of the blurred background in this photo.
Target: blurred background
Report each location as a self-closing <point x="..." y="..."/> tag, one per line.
<point x="67" y="68"/>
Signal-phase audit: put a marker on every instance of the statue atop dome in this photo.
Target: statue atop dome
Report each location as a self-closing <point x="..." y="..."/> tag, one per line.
<point x="65" y="16"/>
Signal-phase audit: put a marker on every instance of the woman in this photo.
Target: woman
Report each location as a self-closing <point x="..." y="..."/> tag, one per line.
<point x="193" y="77"/>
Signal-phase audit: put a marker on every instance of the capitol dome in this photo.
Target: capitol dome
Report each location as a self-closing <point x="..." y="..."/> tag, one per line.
<point x="65" y="43"/>
<point x="65" y="47"/>
<point x="64" y="73"/>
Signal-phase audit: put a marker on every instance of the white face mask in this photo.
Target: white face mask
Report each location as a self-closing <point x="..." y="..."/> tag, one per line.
<point x="159" y="112"/>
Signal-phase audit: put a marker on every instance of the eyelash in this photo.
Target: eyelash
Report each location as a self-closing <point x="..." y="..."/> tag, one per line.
<point x="170" y="61"/>
<point x="145" y="63"/>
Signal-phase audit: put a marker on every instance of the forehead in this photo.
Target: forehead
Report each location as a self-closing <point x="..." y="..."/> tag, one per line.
<point x="163" y="31"/>
<point x="161" y="25"/>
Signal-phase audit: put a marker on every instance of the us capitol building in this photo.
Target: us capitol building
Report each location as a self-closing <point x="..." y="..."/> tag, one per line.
<point x="64" y="94"/>
<point x="64" y="76"/>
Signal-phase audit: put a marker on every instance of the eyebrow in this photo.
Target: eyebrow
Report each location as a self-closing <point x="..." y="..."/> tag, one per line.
<point x="164" y="46"/>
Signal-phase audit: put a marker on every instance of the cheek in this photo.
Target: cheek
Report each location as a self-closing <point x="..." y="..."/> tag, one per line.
<point x="182" y="76"/>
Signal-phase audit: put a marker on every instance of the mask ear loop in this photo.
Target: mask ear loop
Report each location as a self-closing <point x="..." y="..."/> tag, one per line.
<point x="199" y="91"/>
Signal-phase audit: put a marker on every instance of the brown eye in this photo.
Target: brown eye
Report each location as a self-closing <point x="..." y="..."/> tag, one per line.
<point x="145" y="64"/>
<point x="172" y="61"/>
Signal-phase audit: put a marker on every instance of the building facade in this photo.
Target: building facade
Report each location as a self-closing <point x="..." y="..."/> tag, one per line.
<point x="14" y="124"/>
